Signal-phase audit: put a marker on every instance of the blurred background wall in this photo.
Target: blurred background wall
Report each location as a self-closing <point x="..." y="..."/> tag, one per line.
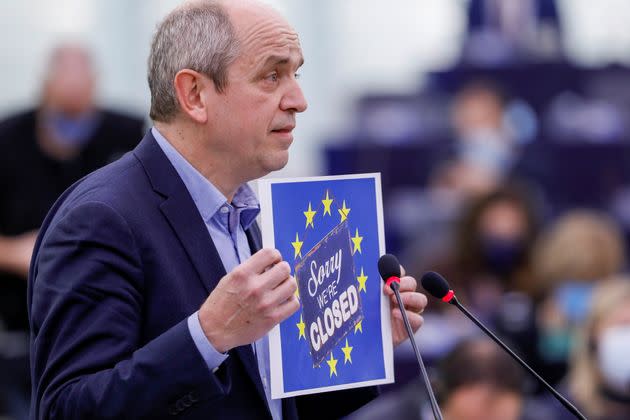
<point x="350" y="46"/>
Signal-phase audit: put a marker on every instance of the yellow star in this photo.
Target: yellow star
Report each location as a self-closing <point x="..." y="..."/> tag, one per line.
<point x="356" y="240"/>
<point x="333" y="365"/>
<point x="297" y="246"/>
<point x="344" y="211"/>
<point x="362" y="279"/>
<point x="309" y="216"/>
<point x="327" y="202"/>
<point x="358" y="327"/>
<point x="346" y="352"/>
<point x="301" y="325"/>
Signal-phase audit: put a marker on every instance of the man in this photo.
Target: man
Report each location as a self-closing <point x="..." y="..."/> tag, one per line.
<point x="44" y="151"/>
<point x="149" y="293"/>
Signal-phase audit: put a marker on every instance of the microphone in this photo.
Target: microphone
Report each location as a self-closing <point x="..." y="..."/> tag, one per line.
<point x="438" y="287"/>
<point x="389" y="269"/>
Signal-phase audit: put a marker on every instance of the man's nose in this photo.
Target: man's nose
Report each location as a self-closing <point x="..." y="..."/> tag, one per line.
<point x="294" y="99"/>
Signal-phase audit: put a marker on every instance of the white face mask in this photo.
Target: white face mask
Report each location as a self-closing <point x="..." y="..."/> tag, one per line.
<point x="613" y="350"/>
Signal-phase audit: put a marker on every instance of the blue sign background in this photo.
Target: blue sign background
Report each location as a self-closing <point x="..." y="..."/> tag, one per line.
<point x="290" y="200"/>
<point x="337" y="241"/>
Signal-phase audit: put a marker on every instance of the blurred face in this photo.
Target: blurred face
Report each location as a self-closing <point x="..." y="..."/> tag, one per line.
<point x="482" y="402"/>
<point x="256" y="115"/>
<point x="502" y="231"/>
<point x="477" y="109"/>
<point x="619" y="316"/>
<point x="69" y="87"/>
<point x="503" y="220"/>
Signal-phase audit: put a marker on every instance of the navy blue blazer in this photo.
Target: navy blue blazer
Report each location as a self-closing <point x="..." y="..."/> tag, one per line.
<point x="123" y="258"/>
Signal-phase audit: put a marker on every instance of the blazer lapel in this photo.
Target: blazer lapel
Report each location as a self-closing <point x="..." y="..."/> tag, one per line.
<point x="183" y="216"/>
<point x="181" y="212"/>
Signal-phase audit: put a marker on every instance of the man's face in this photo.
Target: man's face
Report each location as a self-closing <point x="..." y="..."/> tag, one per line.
<point x="253" y="119"/>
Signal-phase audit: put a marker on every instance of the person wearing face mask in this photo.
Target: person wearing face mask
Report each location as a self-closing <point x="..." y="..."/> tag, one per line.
<point x="598" y="380"/>
<point x="44" y="151"/>
<point x="491" y="136"/>
<point x="487" y="261"/>
<point x="579" y="250"/>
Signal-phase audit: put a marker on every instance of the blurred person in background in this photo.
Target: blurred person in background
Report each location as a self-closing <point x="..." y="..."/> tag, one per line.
<point x="580" y="249"/>
<point x="487" y="263"/>
<point x="484" y="149"/>
<point x="490" y="130"/>
<point x="45" y="150"/>
<point x="490" y="250"/>
<point x="475" y="380"/>
<point x="598" y="381"/>
<point x="504" y="32"/>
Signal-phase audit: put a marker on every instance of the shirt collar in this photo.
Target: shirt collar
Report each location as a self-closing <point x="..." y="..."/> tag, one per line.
<point x="206" y="196"/>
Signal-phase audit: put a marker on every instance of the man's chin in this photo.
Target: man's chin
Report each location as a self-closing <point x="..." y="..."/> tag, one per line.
<point x="275" y="163"/>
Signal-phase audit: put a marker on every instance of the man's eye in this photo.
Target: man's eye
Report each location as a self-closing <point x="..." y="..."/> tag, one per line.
<point x="298" y="75"/>
<point x="273" y="77"/>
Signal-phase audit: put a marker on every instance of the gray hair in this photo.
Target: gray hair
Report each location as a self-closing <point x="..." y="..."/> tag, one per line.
<point x="197" y="36"/>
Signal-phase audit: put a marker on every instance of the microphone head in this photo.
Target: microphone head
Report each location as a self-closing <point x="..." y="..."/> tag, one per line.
<point x="435" y="284"/>
<point x="388" y="266"/>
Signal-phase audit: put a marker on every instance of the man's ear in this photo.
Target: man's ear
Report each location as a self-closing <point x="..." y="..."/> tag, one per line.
<point x="189" y="87"/>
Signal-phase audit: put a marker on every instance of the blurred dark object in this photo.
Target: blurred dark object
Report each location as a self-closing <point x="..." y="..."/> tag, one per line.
<point x="502" y="32"/>
<point x="44" y="151"/>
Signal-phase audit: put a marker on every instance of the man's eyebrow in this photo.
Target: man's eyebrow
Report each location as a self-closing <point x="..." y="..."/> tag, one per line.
<point x="280" y="60"/>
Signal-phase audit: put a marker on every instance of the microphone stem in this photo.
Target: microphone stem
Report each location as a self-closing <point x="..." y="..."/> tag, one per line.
<point x="555" y="393"/>
<point x="434" y="405"/>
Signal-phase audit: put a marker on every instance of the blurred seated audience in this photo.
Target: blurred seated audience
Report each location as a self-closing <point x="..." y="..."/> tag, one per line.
<point x="476" y="380"/>
<point x="45" y="150"/>
<point x="487" y="263"/>
<point x="503" y="32"/>
<point x="598" y="381"/>
<point x="580" y="249"/>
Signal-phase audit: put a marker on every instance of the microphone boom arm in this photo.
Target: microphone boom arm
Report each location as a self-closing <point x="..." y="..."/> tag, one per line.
<point x="556" y="394"/>
<point x="437" y="414"/>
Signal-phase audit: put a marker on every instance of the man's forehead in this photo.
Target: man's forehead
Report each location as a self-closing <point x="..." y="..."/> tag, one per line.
<point x="271" y="40"/>
<point x="251" y="19"/>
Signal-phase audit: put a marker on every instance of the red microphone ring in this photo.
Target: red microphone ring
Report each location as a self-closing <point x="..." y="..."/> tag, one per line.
<point x="392" y="279"/>
<point x="450" y="295"/>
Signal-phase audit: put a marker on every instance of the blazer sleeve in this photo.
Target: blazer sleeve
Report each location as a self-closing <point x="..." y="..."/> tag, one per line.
<point x="86" y="314"/>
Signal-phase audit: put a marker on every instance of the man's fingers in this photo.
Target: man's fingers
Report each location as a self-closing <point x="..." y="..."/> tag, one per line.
<point x="412" y="301"/>
<point x="407" y="283"/>
<point x="277" y="274"/>
<point x="282" y="293"/>
<point x="287" y="308"/>
<point x="415" y="320"/>
<point x="260" y="261"/>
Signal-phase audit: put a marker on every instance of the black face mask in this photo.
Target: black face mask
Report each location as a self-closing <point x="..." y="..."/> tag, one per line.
<point x="501" y="256"/>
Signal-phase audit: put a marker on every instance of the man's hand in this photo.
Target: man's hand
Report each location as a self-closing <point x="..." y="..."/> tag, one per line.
<point x="249" y="301"/>
<point x="414" y="303"/>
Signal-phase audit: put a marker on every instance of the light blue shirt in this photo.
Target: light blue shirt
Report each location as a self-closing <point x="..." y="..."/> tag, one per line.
<point x="226" y="223"/>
